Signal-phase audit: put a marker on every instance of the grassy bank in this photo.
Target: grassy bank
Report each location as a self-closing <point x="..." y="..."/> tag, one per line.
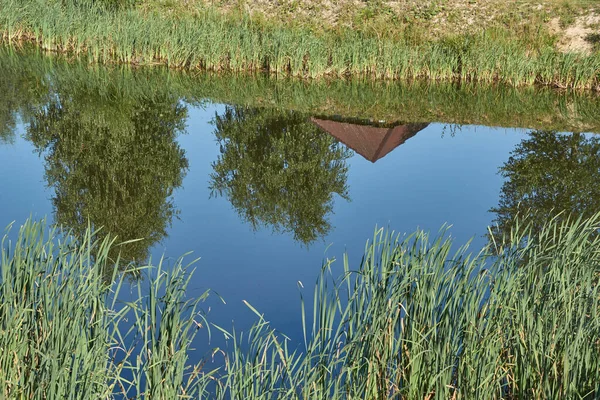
<point x="29" y="79"/>
<point x="413" y="320"/>
<point x="516" y="49"/>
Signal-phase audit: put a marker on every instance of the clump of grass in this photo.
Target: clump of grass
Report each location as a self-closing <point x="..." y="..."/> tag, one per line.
<point x="64" y="332"/>
<point x="209" y="40"/>
<point x="416" y="319"/>
<point x="419" y="321"/>
<point x="55" y="335"/>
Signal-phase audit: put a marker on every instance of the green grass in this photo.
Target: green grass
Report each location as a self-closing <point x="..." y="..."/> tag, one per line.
<point x="415" y="319"/>
<point x="62" y="332"/>
<point x="210" y="40"/>
<point x="30" y="78"/>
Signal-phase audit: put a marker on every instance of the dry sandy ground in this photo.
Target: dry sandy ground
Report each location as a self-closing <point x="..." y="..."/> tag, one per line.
<point x="582" y="36"/>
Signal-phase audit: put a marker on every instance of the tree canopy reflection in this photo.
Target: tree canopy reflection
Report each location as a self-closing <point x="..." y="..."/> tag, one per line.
<point x="549" y="173"/>
<point x="20" y="93"/>
<point x="277" y="169"/>
<point x="114" y="163"/>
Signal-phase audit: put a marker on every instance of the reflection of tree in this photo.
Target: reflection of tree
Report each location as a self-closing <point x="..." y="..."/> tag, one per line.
<point x="114" y="164"/>
<point x="7" y="134"/>
<point x="20" y="92"/>
<point x="549" y="173"/>
<point x="278" y="169"/>
<point x="9" y="106"/>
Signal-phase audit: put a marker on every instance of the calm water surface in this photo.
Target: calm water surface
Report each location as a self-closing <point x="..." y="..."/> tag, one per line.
<point x="264" y="196"/>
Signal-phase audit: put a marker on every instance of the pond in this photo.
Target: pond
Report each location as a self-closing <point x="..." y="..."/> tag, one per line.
<point x="264" y="180"/>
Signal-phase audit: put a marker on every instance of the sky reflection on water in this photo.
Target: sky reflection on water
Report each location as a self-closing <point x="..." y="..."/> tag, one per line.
<point x="434" y="178"/>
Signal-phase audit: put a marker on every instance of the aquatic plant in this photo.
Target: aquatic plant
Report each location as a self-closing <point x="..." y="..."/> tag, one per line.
<point x="64" y="328"/>
<point x="416" y="319"/>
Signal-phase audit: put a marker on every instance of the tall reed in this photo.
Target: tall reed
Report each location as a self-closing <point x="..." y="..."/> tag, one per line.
<point x="417" y="318"/>
<point x="65" y="331"/>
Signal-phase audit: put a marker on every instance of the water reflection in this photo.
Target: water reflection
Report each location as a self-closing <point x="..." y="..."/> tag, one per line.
<point x="371" y="140"/>
<point x="112" y="163"/>
<point x="548" y="173"/>
<point x="279" y="170"/>
<point x="109" y="139"/>
<point x="20" y="93"/>
<point x="7" y="135"/>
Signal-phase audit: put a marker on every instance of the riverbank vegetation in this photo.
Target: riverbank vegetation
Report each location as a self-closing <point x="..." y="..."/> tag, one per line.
<point x="484" y="41"/>
<point x="416" y="319"/>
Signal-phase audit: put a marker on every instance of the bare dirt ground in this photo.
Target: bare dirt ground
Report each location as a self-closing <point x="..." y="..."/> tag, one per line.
<point x="582" y="36"/>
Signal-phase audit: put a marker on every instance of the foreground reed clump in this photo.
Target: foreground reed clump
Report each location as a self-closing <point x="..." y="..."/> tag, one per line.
<point x="416" y="320"/>
<point x="517" y="321"/>
<point x="209" y="40"/>
<point x="65" y="333"/>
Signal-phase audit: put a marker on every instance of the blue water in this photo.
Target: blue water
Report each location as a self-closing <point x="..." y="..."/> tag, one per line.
<point x="434" y="178"/>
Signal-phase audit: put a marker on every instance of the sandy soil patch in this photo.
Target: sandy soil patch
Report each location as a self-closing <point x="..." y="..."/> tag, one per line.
<point x="580" y="37"/>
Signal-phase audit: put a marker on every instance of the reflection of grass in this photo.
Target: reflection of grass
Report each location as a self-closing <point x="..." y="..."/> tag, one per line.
<point x="209" y="40"/>
<point x="466" y="104"/>
<point x="413" y="321"/>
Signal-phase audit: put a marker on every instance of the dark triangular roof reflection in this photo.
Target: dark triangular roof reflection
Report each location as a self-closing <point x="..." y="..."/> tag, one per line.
<point x="371" y="141"/>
